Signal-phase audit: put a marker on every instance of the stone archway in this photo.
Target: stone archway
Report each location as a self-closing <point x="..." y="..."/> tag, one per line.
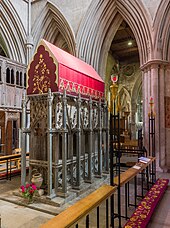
<point x="13" y="34"/>
<point x="94" y="38"/>
<point x="106" y="18"/>
<point x="96" y="32"/>
<point x="137" y="89"/>
<point x="162" y="32"/>
<point x="158" y="72"/>
<point x="53" y="26"/>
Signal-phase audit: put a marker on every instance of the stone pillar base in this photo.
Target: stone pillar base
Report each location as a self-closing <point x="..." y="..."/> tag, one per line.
<point x="62" y="194"/>
<point x="89" y="181"/>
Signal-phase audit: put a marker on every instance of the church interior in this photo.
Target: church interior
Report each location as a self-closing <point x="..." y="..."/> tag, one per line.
<point x="84" y="113"/>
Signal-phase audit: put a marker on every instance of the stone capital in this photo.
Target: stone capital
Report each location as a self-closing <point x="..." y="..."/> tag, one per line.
<point x="155" y="63"/>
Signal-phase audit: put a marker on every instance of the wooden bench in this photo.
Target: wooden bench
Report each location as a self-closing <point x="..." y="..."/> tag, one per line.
<point x="4" y="169"/>
<point x="80" y="209"/>
<point x="11" y="163"/>
<point x="15" y="163"/>
<point x="140" y="218"/>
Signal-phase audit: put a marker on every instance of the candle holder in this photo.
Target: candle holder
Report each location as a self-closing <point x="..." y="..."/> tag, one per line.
<point x="151" y="103"/>
<point x="114" y="152"/>
<point x="151" y="146"/>
<point x="114" y="90"/>
<point x="119" y="107"/>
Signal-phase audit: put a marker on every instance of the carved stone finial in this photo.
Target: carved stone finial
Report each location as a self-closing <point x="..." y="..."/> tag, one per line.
<point x="49" y="92"/>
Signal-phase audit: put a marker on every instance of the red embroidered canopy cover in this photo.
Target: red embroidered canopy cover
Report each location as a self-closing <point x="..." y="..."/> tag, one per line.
<point x="54" y="68"/>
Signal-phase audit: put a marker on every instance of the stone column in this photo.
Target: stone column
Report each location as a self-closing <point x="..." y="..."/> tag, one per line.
<point x="133" y="124"/>
<point x="106" y="138"/>
<point x="99" y="140"/>
<point x="55" y="159"/>
<point x="154" y="86"/>
<point x="155" y="95"/>
<point x="146" y="95"/>
<point x="29" y="42"/>
<point x="64" y="145"/>
<point x="78" y="144"/>
<point x="3" y="86"/>
<point x="23" y="140"/>
<point x="161" y="151"/>
<point x="126" y="115"/>
<point x="49" y="145"/>
<point x="90" y="143"/>
<point x="70" y="154"/>
<point x="164" y="150"/>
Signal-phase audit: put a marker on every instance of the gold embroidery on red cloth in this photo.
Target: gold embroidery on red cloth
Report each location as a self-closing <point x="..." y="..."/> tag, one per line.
<point x="77" y="88"/>
<point x="144" y="209"/>
<point x="134" y="218"/>
<point x="41" y="83"/>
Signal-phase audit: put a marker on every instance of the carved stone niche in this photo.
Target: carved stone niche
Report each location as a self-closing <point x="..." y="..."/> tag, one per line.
<point x="38" y="128"/>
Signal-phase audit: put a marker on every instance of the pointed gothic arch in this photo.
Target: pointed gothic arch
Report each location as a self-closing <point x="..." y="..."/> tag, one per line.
<point x="162" y="31"/>
<point x="53" y="26"/>
<point x="3" y="47"/>
<point x="136" y="88"/>
<point x="94" y="38"/>
<point x="125" y="100"/>
<point x="12" y="32"/>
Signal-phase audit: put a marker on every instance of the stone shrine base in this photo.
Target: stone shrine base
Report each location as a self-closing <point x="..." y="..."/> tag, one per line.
<point x="53" y="206"/>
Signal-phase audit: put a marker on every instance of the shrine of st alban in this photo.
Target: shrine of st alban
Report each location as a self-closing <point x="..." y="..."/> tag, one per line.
<point x="84" y="93"/>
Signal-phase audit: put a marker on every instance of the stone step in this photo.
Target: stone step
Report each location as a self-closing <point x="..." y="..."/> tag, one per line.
<point x="46" y="208"/>
<point x="58" y="204"/>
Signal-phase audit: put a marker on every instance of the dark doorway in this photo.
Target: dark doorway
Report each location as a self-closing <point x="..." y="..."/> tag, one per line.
<point x="11" y="136"/>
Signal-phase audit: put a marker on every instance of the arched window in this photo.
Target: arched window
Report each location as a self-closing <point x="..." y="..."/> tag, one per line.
<point x="25" y="83"/>
<point x="12" y="76"/>
<point x="17" y="77"/>
<point x="7" y="75"/>
<point x="20" y="78"/>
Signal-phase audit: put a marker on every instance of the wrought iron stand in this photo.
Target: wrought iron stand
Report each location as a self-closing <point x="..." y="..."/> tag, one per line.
<point x="115" y="152"/>
<point x="152" y="145"/>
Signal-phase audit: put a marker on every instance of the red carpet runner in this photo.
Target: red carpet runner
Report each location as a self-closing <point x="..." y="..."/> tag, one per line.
<point x="140" y="218"/>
